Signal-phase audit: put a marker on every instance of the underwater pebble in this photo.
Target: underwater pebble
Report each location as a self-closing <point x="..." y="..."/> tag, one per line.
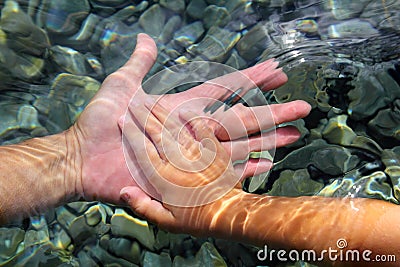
<point x="157" y="260"/>
<point x="65" y="17"/>
<point x="69" y="60"/>
<point x="352" y="28"/>
<point x="295" y="183"/>
<point x="215" y="45"/>
<point x="254" y="42"/>
<point x="123" y="224"/>
<point x="153" y="20"/>
<point x="188" y="34"/>
<point x="345" y="9"/>
<point x="196" y="8"/>
<point x="10" y="240"/>
<point x="177" y="6"/>
<point x="206" y="256"/>
<point x="215" y="16"/>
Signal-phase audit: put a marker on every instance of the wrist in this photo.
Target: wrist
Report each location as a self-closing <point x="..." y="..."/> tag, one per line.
<point x="71" y="166"/>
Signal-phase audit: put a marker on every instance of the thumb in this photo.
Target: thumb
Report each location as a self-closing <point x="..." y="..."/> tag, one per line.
<point x="142" y="58"/>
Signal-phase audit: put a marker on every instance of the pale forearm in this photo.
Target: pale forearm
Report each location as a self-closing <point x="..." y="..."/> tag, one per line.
<point x="36" y="175"/>
<point x="306" y="223"/>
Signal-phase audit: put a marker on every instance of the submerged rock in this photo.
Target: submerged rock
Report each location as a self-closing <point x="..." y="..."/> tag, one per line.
<point x="123" y="224"/>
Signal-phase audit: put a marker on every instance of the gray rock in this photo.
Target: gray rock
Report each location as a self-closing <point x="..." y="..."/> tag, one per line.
<point x="69" y="60"/>
<point x="188" y="34"/>
<point x="10" y="242"/>
<point x="153" y="20"/>
<point x="177" y="6"/>
<point x="196" y="8"/>
<point x="345" y="9"/>
<point x="65" y="17"/>
<point x="352" y="29"/>
<point x="170" y="29"/>
<point x="151" y="259"/>
<point x="123" y="224"/>
<point x="254" y="42"/>
<point x="215" y="16"/>
<point x="215" y="46"/>
<point x="295" y="183"/>
<point x="206" y="256"/>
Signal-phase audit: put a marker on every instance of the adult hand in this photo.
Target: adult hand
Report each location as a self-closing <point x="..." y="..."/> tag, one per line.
<point x="97" y="152"/>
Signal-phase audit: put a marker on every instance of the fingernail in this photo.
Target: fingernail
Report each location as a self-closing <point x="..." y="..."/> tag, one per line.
<point x="124" y="196"/>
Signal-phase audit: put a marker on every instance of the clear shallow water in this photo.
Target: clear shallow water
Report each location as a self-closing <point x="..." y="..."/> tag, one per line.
<point x="341" y="56"/>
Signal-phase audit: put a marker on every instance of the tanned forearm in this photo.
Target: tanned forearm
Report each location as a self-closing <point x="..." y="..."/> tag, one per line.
<point x="306" y="223"/>
<point x="37" y="174"/>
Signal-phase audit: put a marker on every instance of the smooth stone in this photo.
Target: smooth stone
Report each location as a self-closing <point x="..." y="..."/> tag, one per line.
<point x="215" y="46"/>
<point x="10" y="241"/>
<point x="79" y="207"/>
<point x="308" y="26"/>
<point x="23" y="36"/>
<point x="69" y="60"/>
<point x="28" y="117"/>
<point x="64" y="217"/>
<point x="216" y="2"/>
<point x="59" y="237"/>
<point x="80" y="230"/>
<point x="17" y="118"/>
<point x="196" y="8"/>
<point x="94" y="215"/>
<point x="382" y="90"/>
<point x="162" y="240"/>
<point x="334" y="160"/>
<point x="125" y="248"/>
<point x="38" y="256"/>
<point x="86" y="31"/>
<point x="116" y="42"/>
<point x="123" y="224"/>
<point x="35" y="237"/>
<point x="345" y="9"/>
<point x="295" y="183"/>
<point x="157" y="260"/>
<point x="352" y="29"/>
<point x="85" y="259"/>
<point x="170" y="29"/>
<point x="109" y="2"/>
<point x="101" y="255"/>
<point x="391" y="159"/>
<point x="370" y="186"/>
<point x="330" y="159"/>
<point x="383" y="15"/>
<point x="65" y="17"/>
<point x="130" y="13"/>
<point x="177" y="6"/>
<point x="254" y="42"/>
<point x="153" y="20"/>
<point x="206" y="256"/>
<point x="387" y="122"/>
<point x="215" y="16"/>
<point x="188" y="34"/>
<point x="68" y="96"/>
<point x="236" y="61"/>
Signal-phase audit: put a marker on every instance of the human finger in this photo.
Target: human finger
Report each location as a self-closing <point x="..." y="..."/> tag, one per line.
<point x="258" y="118"/>
<point x="172" y="124"/>
<point x="146" y="207"/>
<point x="239" y="149"/>
<point x="142" y="59"/>
<point x="145" y="152"/>
<point x="252" y="167"/>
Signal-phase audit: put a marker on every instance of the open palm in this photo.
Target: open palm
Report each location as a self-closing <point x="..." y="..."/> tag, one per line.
<point x="96" y="135"/>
